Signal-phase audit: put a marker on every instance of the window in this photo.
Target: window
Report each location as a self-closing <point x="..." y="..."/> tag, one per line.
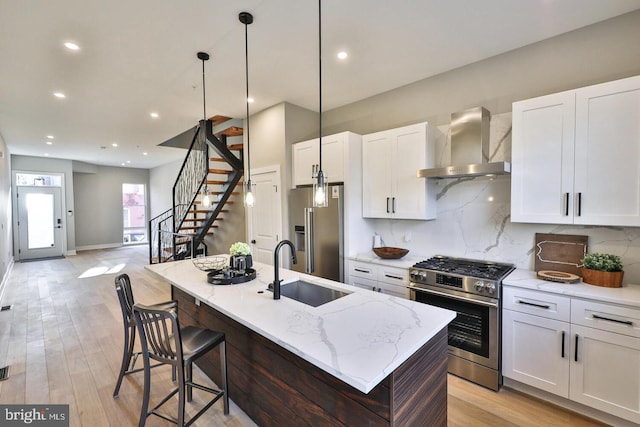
<point x="134" y="213"/>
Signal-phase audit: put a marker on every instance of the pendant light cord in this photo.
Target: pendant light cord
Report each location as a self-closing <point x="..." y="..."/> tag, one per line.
<point x="246" y="72"/>
<point x="204" y="98"/>
<point x="320" y="79"/>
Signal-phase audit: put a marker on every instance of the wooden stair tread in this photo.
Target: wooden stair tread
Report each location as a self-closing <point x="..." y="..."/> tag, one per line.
<point x="230" y="131"/>
<point x="197" y="211"/>
<point x="236" y="147"/>
<point x="221" y="171"/>
<point x="218" y="119"/>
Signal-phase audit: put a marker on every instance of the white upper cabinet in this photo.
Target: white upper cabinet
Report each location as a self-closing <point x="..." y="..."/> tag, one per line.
<point x="390" y="161"/>
<point x="306" y="159"/>
<point x="576" y="156"/>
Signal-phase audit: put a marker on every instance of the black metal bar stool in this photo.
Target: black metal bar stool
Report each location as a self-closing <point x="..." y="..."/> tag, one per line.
<point x="163" y="341"/>
<point x="129" y="356"/>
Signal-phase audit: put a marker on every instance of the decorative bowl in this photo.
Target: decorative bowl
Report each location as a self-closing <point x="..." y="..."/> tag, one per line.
<point x="388" y="252"/>
<point x="209" y="263"/>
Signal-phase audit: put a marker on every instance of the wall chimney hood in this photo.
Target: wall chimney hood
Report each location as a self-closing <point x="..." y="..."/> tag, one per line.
<point x="469" y="148"/>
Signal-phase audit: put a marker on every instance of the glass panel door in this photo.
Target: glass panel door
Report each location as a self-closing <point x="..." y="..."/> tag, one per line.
<point x="40" y="222"/>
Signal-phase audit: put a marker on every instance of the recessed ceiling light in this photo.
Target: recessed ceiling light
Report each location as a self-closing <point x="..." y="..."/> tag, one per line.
<point x="154" y="115"/>
<point x="128" y="161"/>
<point x="59" y="95"/>
<point x="71" y="46"/>
<point x="121" y="164"/>
<point x="250" y="100"/>
<point x="48" y="142"/>
<point x="50" y="136"/>
<point x="46" y="154"/>
<point x="343" y="55"/>
<point x="144" y="154"/>
<point x="115" y="144"/>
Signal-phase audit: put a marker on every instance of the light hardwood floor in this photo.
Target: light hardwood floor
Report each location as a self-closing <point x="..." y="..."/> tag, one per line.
<point x="63" y="343"/>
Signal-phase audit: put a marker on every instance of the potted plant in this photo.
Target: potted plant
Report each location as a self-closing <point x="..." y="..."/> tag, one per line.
<point x="602" y="270"/>
<point x="240" y="256"/>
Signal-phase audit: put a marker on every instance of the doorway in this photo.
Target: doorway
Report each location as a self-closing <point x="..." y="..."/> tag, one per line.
<point x="265" y="218"/>
<point x="40" y="222"/>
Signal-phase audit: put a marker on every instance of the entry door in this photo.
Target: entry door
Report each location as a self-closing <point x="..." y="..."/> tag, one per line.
<point x="265" y="223"/>
<point x="39" y="222"/>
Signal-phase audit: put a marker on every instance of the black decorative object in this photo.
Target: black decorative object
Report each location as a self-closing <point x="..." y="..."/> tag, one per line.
<point x="230" y="277"/>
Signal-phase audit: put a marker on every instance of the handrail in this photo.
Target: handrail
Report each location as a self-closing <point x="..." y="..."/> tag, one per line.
<point x="154" y="240"/>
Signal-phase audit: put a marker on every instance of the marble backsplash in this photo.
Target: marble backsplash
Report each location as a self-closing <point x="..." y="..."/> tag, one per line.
<point x="473" y="218"/>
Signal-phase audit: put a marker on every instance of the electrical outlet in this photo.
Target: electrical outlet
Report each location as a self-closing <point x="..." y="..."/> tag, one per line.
<point x="407" y="237"/>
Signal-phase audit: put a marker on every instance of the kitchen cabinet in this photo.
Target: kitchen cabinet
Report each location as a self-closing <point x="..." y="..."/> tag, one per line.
<point x="576" y="156"/>
<point x="379" y="278"/>
<point x="583" y="350"/>
<point x="390" y="161"/>
<point x="306" y="159"/>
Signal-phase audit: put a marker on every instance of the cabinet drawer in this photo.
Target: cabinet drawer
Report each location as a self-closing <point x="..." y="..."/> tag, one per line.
<point x="393" y="275"/>
<point x="393" y="289"/>
<point x="363" y="269"/>
<point x="363" y="283"/>
<point x="541" y="304"/>
<point x="607" y="317"/>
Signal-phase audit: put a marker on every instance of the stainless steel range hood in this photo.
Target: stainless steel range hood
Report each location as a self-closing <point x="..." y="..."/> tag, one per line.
<point x="469" y="148"/>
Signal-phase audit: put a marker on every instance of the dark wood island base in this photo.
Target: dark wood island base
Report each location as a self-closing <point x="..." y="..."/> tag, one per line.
<point x="278" y="388"/>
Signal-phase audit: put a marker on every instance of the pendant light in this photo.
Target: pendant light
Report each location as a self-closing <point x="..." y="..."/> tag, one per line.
<point x="203" y="56"/>
<point x="320" y="186"/>
<point x="246" y="18"/>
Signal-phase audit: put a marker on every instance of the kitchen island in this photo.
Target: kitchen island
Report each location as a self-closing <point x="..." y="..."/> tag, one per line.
<point x="363" y="359"/>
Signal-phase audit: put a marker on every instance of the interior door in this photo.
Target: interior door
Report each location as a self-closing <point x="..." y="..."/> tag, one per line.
<point x="265" y="217"/>
<point x="39" y="222"/>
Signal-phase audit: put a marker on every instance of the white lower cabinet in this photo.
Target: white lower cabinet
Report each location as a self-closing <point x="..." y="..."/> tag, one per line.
<point x="587" y="351"/>
<point x="379" y="278"/>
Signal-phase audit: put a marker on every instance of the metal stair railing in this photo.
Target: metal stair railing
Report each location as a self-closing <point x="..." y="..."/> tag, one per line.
<point x="157" y="225"/>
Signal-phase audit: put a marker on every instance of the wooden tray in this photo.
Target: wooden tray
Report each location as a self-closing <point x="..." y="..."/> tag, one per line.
<point x="560" y="252"/>
<point x="557" y="276"/>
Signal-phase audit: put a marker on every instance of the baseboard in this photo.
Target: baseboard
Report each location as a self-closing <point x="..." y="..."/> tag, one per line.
<point x="69" y="253"/>
<point x="567" y="404"/>
<point x="5" y="279"/>
<point x="104" y="246"/>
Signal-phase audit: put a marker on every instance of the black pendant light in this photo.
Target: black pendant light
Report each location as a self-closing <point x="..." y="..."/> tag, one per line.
<point x="320" y="187"/>
<point x="203" y="56"/>
<point x="246" y="18"/>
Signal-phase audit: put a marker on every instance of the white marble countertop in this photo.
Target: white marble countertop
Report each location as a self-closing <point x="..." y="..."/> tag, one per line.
<point x="360" y="338"/>
<point x="626" y="295"/>
<point x="406" y="261"/>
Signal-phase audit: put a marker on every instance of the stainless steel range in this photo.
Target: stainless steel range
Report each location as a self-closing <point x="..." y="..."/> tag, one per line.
<point x="472" y="289"/>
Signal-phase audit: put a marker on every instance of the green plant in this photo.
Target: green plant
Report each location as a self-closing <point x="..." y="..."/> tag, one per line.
<point x="240" y="248"/>
<point x="602" y="262"/>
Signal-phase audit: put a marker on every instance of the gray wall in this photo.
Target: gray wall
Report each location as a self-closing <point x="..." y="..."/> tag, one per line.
<point x="161" y="181"/>
<point x="65" y="167"/>
<point x="6" y="245"/>
<point x="98" y="198"/>
<point x="601" y="52"/>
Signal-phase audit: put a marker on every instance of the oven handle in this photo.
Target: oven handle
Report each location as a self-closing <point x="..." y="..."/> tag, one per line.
<point x="444" y="294"/>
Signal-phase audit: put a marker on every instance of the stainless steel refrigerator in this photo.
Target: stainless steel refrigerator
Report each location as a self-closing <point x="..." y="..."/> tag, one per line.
<point x="317" y="233"/>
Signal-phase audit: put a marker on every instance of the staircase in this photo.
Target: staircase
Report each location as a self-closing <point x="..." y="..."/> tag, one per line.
<point x="179" y="232"/>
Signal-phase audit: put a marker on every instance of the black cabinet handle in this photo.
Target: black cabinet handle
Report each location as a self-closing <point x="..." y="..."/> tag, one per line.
<point x="576" y="354"/>
<point x="624" y="322"/>
<point x="387" y="205"/>
<point x="579" y="204"/>
<point x="361" y="271"/>
<point x="393" y="205"/>
<point x="566" y="204"/>
<point x="393" y="277"/>
<point x="546" y="307"/>
<point x="562" y="353"/>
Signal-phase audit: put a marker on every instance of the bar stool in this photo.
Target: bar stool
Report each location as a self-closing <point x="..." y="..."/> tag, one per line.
<point x="163" y="341"/>
<point x="129" y="357"/>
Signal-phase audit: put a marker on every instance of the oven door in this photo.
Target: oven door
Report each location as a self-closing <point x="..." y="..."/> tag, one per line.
<point x="474" y="334"/>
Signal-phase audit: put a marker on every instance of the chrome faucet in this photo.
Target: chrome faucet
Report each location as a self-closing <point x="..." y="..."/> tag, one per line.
<point x="276" y="273"/>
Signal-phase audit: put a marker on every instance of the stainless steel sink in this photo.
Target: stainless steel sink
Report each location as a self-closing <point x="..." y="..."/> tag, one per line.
<point x="310" y="294"/>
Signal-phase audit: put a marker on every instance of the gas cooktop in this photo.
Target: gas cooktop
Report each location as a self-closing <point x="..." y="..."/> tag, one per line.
<point x="466" y="267"/>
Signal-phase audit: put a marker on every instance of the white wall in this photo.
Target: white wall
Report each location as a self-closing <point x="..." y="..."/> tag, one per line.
<point x="98" y="198"/>
<point x="6" y="245"/>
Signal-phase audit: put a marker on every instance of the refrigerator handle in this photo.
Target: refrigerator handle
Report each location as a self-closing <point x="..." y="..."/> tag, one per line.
<point x="309" y="239"/>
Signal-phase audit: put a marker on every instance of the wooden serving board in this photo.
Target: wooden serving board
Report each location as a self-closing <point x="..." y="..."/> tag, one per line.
<point x="560" y="252"/>
<point x="557" y="276"/>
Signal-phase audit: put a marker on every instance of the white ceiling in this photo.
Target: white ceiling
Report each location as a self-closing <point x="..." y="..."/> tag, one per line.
<point x="140" y="56"/>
